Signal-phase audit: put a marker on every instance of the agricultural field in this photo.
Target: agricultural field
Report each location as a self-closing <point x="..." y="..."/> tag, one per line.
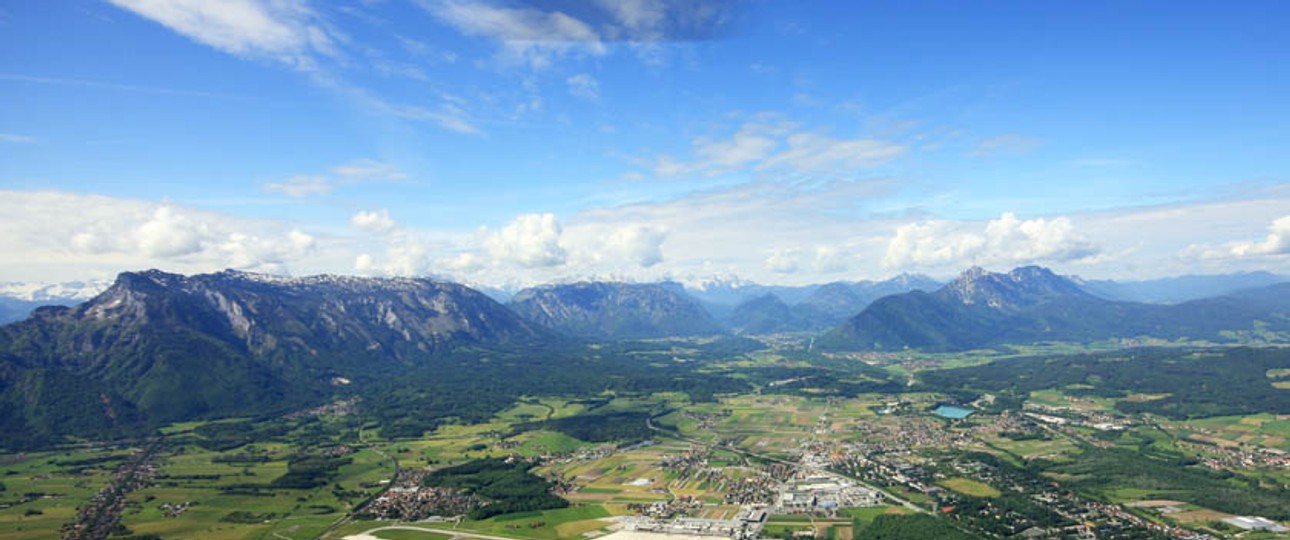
<point x="1265" y="430"/>
<point x="766" y="424"/>
<point x="43" y="490"/>
<point x="622" y="478"/>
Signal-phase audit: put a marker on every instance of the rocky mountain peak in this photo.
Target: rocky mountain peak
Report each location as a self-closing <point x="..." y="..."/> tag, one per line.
<point x="1022" y="287"/>
<point x="617" y="310"/>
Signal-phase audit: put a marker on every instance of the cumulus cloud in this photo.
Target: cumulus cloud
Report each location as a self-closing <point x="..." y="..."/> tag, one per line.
<point x="287" y="31"/>
<point x="1277" y="242"/>
<point x="530" y="241"/>
<point x="407" y="256"/>
<point x="830" y="260"/>
<point x="364" y="263"/>
<point x="373" y="221"/>
<point x="642" y="245"/>
<point x="821" y="259"/>
<point x="1007" y="240"/>
<point x="171" y="234"/>
<point x="88" y="233"/>
<point x="783" y="261"/>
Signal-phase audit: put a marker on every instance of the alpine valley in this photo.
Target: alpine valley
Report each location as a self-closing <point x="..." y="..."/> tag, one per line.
<point x="243" y="405"/>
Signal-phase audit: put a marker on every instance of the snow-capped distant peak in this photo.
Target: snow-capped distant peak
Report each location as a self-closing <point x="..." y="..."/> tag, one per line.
<point x="72" y="291"/>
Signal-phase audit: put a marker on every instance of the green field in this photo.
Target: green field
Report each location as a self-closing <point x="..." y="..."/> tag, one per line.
<point x="971" y="487"/>
<point x="58" y="486"/>
<point x="546" y="525"/>
<point x="1268" y="430"/>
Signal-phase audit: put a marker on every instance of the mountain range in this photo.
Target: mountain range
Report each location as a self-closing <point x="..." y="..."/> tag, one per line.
<point x="980" y="309"/>
<point x="158" y="347"/>
<point x="18" y="300"/>
<point x="600" y="310"/>
<point x="1175" y="290"/>
<point x="825" y="307"/>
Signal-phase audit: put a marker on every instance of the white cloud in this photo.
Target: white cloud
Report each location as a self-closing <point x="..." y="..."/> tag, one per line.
<point x="639" y="16"/>
<point x="75" y="235"/>
<point x="353" y="172"/>
<point x="449" y="116"/>
<point x="1277" y="242"/>
<point x="368" y="169"/>
<point x="283" y="30"/>
<point x="171" y="234"/>
<point x="528" y="36"/>
<point x="814" y="152"/>
<point x="642" y="245"/>
<point x="373" y="221"/>
<point x="753" y="142"/>
<point x="301" y="186"/>
<point x="1008" y="143"/>
<point x="783" y="261"/>
<point x="817" y="261"/>
<point x="16" y="139"/>
<point x="1004" y="241"/>
<point x="537" y="37"/>
<point x="584" y="86"/>
<point x="778" y="146"/>
<point x="364" y="263"/>
<point x="295" y="34"/>
<point x="407" y="256"/>
<point x="830" y="260"/>
<point x="530" y="241"/>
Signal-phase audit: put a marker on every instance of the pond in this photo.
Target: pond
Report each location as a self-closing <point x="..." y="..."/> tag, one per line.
<point x="952" y="411"/>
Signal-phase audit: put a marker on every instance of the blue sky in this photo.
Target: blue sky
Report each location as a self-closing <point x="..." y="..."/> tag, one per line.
<point x="507" y="143"/>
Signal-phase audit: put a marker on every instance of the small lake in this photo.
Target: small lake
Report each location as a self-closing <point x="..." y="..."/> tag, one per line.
<point x="952" y="411"/>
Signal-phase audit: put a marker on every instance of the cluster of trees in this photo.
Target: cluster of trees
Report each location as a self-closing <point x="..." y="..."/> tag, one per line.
<point x="509" y="487"/>
<point x="623" y="427"/>
<point x="1197" y="384"/>
<point x="908" y="527"/>
<point x="472" y="387"/>
<point x="245" y="517"/>
<point x="1107" y="469"/>
<point x="310" y="471"/>
<point x="221" y="436"/>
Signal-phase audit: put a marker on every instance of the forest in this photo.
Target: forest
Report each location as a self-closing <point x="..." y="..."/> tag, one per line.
<point x="507" y="485"/>
<point x="1194" y="383"/>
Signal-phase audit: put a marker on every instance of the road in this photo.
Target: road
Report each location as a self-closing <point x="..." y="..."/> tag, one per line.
<point x="450" y="532"/>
